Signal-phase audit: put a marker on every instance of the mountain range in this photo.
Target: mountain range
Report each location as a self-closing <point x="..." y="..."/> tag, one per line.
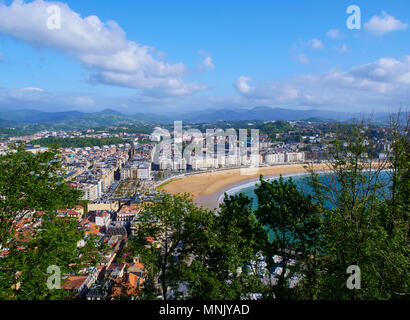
<point x="109" y="117"/>
<point x="270" y="114"/>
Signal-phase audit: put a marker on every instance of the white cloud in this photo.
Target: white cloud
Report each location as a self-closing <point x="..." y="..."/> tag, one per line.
<point x="83" y="101"/>
<point x="33" y="89"/>
<point x="303" y="59"/>
<point x="241" y="84"/>
<point x="334" y="34"/>
<point x="316" y="44"/>
<point x="377" y="85"/>
<point x="46" y="100"/>
<point x="101" y="47"/>
<point x="380" y="25"/>
<point x="207" y="64"/>
<point x="343" y="48"/>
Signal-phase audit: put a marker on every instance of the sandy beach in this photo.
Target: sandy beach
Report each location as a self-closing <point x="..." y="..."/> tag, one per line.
<point x="207" y="188"/>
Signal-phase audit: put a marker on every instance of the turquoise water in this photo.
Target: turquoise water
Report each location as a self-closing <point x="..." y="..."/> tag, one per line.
<point x="302" y="183"/>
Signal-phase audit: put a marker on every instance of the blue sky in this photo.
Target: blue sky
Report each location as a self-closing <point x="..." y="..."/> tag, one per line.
<point x="168" y="56"/>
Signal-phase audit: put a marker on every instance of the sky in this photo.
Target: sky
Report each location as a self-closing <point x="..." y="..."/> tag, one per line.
<point x="185" y="56"/>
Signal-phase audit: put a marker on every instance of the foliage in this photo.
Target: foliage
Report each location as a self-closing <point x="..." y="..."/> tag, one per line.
<point x="78" y="142"/>
<point x="163" y="220"/>
<point x="32" y="188"/>
<point x="363" y="223"/>
<point x="221" y="250"/>
<point x="195" y="247"/>
<point x="294" y="221"/>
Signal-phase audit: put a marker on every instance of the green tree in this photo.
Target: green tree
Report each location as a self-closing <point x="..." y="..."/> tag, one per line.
<point x="293" y="220"/>
<point x="31" y="184"/>
<point x="163" y="221"/>
<point x="363" y="223"/>
<point x="222" y="246"/>
<point x="394" y="253"/>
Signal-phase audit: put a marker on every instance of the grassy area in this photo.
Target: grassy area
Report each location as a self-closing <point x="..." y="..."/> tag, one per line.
<point x="160" y="187"/>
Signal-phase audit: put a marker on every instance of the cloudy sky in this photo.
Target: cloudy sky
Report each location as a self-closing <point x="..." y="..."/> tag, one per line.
<point x="176" y="56"/>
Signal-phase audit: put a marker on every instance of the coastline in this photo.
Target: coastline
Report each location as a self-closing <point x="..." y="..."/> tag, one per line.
<point x="207" y="189"/>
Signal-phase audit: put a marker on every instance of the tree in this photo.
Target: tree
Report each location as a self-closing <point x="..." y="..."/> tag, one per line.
<point x="394" y="255"/>
<point x="364" y="224"/>
<point x="196" y="249"/>
<point x="159" y="241"/>
<point x="222" y="247"/>
<point x="28" y="183"/>
<point x="55" y="244"/>
<point x="32" y="187"/>
<point x="294" y="221"/>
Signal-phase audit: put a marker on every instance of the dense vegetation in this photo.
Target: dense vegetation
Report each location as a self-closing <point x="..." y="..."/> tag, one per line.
<point x="11" y="132"/>
<point x="35" y="183"/>
<point x="31" y="121"/>
<point x="143" y="128"/>
<point x="78" y="142"/>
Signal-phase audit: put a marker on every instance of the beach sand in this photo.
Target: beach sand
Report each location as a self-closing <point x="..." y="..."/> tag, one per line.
<point x="208" y="187"/>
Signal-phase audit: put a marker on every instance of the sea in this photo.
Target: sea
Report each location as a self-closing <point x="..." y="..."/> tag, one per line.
<point x="301" y="181"/>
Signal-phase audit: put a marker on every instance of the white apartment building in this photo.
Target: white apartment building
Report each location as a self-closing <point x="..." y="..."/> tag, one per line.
<point x="102" y="219"/>
<point x="90" y="192"/>
<point x="179" y="164"/>
<point x="294" y="157"/>
<point x="144" y="172"/>
<point x="275" y="158"/>
<point x="125" y="173"/>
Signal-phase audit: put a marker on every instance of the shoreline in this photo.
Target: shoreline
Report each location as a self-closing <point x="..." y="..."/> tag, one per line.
<point x="237" y="187"/>
<point x="207" y="189"/>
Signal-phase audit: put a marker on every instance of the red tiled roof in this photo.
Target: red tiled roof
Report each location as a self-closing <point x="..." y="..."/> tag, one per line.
<point x="74" y="282"/>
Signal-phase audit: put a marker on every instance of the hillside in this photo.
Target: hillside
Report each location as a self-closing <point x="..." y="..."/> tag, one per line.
<point x="26" y="118"/>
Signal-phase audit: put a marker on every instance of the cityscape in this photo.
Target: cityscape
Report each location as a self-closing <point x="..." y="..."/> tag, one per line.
<point x="148" y="179"/>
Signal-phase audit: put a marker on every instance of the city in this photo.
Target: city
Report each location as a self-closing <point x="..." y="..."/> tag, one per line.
<point x="217" y="159"/>
<point x="116" y="181"/>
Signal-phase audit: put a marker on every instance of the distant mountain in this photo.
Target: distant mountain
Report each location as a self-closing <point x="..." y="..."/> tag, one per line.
<point x="8" y="123"/>
<point x="273" y="114"/>
<point x="111" y="111"/>
<point x="319" y="119"/>
<point x="67" y="119"/>
<point x="110" y="117"/>
<point x="151" y="117"/>
<point x="34" y="116"/>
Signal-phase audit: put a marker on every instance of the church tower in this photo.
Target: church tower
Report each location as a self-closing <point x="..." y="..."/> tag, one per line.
<point x="132" y="152"/>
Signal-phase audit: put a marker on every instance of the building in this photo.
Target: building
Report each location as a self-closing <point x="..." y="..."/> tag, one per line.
<point x="76" y="213"/>
<point x="91" y="191"/>
<point x="102" y="219"/>
<point x="127" y="213"/>
<point x="104" y="206"/>
<point x="144" y="172"/>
